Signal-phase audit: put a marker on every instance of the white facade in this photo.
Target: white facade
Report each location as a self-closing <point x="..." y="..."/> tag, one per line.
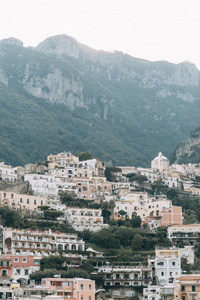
<point x="160" y="163"/>
<point x="48" y="185"/>
<point x="85" y="218"/>
<point x="38" y="242"/>
<point x="167" y="265"/>
<point x="141" y="204"/>
<point x="7" y="172"/>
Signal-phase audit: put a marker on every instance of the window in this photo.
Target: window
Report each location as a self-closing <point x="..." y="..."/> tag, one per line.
<point x="1" y="264"/>
<point x="41" y="202"/>
<point x="24" y="260"/>
<point x="15" y="244"/>
<point x="4" y="273"/>
<point x="162" y="274"/>
<point x="173" y="263"/>
<point x="82" y="286"/>
<point x="193" y="288"/>
<point x="22" y="244"/>
<point x="90" y="298"/>
<point x="90" y="287"/>
<point x="161" y="263"/>
<point x="21" y="200"/>
<point x="27" y="201"/>
<point x="30" y="245"/>
<point x="16" y="259"/>
<point x="81" y="297"/>
<point x="18" y="271"/>
<point x="38" y="245"/>
<point x="26" y="271"/>
<point x="35" y="202"/>
<point x="7" y="263"/>
<point x="183" y="288"/>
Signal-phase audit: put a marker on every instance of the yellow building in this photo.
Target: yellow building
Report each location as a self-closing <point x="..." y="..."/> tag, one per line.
<point x="187" y="287"/>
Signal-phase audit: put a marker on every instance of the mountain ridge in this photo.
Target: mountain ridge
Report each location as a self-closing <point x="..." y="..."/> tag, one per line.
<point x="123" y="109"/>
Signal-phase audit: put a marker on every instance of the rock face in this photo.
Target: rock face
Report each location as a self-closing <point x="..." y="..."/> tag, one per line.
<point x="122" y="108"/>
<point x="188" y="151"/>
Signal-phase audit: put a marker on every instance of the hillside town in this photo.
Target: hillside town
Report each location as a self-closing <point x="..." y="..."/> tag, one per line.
<point x="72" y="227"/>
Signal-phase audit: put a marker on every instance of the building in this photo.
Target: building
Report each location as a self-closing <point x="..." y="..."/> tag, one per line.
<point x="187" y="287"/>
<point x="22" y="201"/>
<point x="184" y="234"/>
<point x="18" y="267"/>
<point x="130" y="276"/>
<point x="7" y="172"/>
<point x="85" y="219"/>
<point x="160" y="163"/>
<point x="63" y="289"/>
<point x="158" y="292"/>
<point x="167" y="265"/>
<point x="38" y="242"/>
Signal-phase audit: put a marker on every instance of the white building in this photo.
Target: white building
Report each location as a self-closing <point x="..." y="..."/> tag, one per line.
<point x="160" y="163"/>
<point x="7" y="172"/>
<point x="141" y="204"/>
<point x="167" y="265"/>
<point x="158" y="292"/>
<point x="85" y="219"/>
<point x="49" y="185"/>
<point x="38" y="242"/>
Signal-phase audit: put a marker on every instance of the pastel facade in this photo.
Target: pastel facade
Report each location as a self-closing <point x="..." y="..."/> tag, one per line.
<point x="140" y="204"/>
<point x="22" y="201"/>
<point x="38" y="242"/>
<point x="171" y="215"/>
<point x="85" y="219"/>
<point x="187" y="287"/>
<point x="18" y="267"/>
<point x="64" y="288"/>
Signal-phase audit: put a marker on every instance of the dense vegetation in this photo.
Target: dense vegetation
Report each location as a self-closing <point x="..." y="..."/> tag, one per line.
<point x="122" y="121"/>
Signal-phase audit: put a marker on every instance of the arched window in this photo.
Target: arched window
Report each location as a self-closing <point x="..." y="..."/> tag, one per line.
<point x="24" y="260"/>
<point x="16" y="259"/>
<point x="4" y="273"/>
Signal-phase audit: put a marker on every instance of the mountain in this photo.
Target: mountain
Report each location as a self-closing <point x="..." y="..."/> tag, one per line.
<point x="188" y="151"/>
<point x="65" y="96"/>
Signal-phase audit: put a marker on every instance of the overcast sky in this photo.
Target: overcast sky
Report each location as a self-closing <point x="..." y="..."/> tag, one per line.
<point x="150" y="29"/>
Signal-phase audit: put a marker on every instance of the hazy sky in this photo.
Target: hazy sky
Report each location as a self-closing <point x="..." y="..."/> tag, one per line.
<point x="150" y="29"/>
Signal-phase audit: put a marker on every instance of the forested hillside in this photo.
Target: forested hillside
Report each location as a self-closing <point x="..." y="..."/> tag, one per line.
<point x="63" y="95"/>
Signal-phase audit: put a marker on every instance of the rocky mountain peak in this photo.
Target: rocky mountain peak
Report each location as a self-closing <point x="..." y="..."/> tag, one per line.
<point x="60" y="45"/>
<point x="11" y="41"/>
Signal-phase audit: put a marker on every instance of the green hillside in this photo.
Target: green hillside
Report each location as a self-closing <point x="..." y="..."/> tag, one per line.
<point x="121" y="109"/>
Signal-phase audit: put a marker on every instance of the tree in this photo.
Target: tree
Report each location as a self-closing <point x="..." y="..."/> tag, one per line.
<point x="130" y="175"/>
<point x="110" y="173"/>
<point x="136" y="221"/>
<point x="52" y="214"/>
<point x="105" y="238"/>
<point x="139" y="178"/>
<point x="171" y="194"/>
<point x="84" y="155"/>
<point x="51" y="262"/>
<point x="137" y="242"/>
<point x="125" y="235"/>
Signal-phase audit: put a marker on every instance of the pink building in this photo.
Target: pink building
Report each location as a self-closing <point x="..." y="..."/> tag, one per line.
<point x="19" y="267"/>
<point x="5" y="267"/>
<point x="171" y="215"/>
<point x="65" y="288"/>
